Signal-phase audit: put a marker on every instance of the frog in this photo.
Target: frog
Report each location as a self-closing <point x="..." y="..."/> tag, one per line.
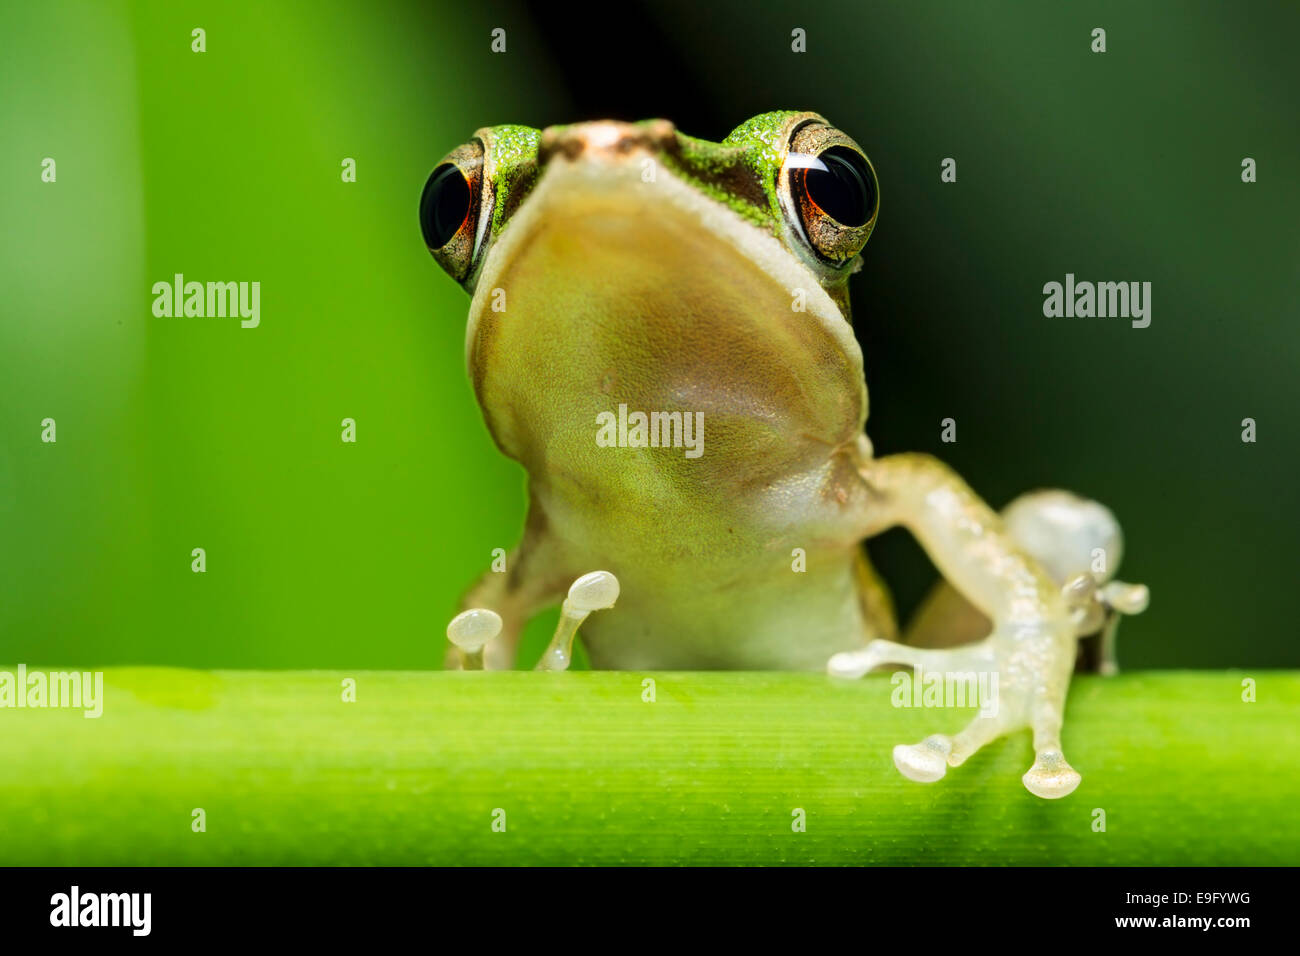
<point x="659" y="332"/>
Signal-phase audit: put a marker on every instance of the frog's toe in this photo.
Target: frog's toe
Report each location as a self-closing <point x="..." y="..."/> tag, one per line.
<point x="470" y="631"/>
<point x="851" y="664"/>
<point x="857" y="662"/>
<point x="925" y="762"/>
<point x="594" y="591"/>
<point x="1051" y="777"/>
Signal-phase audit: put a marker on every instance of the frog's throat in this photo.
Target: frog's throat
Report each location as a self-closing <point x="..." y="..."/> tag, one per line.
<point x="569" y="186"/>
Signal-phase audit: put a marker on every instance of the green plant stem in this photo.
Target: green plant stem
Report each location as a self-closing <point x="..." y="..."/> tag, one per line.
<point x="587" y="771"/>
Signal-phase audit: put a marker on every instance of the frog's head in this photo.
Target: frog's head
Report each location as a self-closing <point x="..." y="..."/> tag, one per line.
<point x="633" y="260"/>
<point x="789" y="174"/>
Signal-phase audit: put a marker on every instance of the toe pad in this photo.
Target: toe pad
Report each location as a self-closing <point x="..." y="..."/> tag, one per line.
<point x="925" y="762"/>
<point x="1051" y="777"/>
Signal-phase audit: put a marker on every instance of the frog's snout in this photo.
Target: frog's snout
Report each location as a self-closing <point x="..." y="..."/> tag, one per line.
<point x="605" y="139"/>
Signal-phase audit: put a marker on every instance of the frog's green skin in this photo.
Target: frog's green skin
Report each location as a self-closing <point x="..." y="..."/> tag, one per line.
<point x="616" y="263"/>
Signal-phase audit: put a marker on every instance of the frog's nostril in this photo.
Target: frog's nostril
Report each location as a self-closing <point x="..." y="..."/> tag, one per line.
<point x="605" y="138"/>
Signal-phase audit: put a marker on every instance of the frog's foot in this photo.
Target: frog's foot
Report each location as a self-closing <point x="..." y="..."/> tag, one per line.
<point x="929" y="760"/>
<point x="1051" y="777"/>
<point x="1039" y="696"/>
<point x="591" y="592"/>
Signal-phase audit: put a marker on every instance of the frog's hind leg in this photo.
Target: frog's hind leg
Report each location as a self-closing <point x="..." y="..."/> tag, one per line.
<point x="1077" y="544"/>
<point x="1069" y="536"/>
<point x="1031" y="646"/>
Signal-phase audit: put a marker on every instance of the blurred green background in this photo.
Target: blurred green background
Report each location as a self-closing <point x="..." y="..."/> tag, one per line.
<point x="182" y="433"/>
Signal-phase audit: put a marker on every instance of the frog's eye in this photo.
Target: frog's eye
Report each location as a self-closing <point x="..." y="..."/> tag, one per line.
<point x="444" y="205"/>
<point x="829" y="190"/>
<point x="449" y="209"/>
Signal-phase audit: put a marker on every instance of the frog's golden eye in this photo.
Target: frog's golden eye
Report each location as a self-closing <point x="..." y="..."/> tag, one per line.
<point x="829" y="189"/>
<point x="449" y="209"/>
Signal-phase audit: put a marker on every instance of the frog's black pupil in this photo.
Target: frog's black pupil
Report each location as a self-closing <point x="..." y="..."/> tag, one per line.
<point x="844" y="190"/>
<point x="444" y="205"/>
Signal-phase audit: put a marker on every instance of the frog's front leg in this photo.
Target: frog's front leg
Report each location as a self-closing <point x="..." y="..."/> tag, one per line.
<point x="534" y="578"/>
<point x="1031" y="647"/>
